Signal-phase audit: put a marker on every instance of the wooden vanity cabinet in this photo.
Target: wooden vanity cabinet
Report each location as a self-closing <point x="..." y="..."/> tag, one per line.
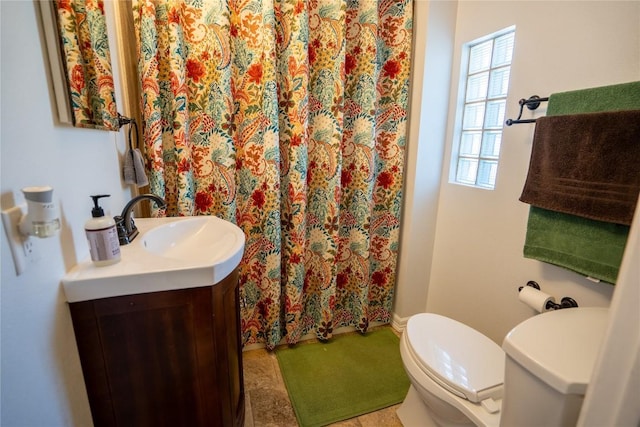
<point x="171" y="358"/>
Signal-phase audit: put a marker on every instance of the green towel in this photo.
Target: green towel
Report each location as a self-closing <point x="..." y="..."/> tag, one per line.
<point x="588" y="247"/>
<point x="625" y="96"/>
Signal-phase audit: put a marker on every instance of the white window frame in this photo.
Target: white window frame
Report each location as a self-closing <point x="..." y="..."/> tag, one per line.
<point x="483" y="131"/>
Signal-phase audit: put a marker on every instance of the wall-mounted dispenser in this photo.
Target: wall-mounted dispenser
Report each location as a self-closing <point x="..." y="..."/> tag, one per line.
<point x="39" y="217"/>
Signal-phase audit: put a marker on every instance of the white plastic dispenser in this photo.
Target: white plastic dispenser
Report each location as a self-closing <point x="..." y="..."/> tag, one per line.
<point x="42" y="218"/>
<point x="102" y="236"/>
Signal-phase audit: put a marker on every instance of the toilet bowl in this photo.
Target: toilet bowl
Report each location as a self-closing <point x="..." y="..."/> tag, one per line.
<point x="539" y="377"/>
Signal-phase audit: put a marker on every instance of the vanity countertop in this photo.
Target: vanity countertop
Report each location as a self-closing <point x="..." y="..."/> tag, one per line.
<point x="169" y="253"/>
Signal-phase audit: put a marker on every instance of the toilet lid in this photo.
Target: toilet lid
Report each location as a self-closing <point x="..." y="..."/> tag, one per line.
<point x="457" y="357"/>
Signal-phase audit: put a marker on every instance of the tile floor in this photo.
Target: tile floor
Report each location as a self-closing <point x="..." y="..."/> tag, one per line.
<point x="267" y="401"/>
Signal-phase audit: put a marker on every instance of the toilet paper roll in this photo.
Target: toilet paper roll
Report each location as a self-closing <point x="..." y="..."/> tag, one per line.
<point x="535" y="299"/>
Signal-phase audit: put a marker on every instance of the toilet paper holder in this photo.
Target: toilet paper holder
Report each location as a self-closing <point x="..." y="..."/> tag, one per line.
<point x="565" y="302"/>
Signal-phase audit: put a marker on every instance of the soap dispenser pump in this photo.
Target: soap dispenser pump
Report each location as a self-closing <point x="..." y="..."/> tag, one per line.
<point x="102" y="235"/>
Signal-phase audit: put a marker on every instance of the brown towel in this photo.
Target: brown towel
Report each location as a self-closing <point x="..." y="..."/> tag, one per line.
<point x="586" y="165"/>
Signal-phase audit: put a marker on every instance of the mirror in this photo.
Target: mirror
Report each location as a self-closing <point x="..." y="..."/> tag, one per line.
<point x="75" y="32"/>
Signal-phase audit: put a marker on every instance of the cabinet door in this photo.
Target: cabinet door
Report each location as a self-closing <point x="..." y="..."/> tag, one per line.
<point x="149" y="359"/>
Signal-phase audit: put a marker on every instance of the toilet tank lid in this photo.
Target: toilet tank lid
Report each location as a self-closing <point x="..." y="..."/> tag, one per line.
<point x="559" y="347"/>
<point x="457" y="356"/>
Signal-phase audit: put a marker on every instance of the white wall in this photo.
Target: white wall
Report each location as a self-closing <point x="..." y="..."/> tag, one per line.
<point x="434" y="29"/>
<point x="612" y="397"/>
<point x="477" y="262"/>
<point x="41" y="382"/>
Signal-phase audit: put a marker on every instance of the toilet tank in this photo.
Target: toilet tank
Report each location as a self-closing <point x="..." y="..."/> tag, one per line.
<point x="550" y="358"/>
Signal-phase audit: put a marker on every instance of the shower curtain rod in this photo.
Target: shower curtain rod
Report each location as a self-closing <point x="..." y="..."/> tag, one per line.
<point x="532" y="103"/>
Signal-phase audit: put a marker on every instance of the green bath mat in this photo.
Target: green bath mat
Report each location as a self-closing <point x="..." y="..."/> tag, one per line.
<point x="350" y="375"/>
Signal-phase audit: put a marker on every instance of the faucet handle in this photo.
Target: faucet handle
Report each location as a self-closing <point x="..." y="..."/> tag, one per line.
<point x="122" y="231"/>
<point x="125" y="237"/>
<point x="133" y="230"/>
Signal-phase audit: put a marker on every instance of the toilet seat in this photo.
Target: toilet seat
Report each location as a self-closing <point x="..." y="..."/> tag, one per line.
<point x="457" y="357"/>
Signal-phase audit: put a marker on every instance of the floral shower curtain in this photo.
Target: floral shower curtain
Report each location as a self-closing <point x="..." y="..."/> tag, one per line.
<point x="288" y="118"/>
<point x="83" y="36"/>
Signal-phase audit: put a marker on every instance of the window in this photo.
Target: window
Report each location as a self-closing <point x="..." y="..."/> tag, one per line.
<point x="484" y="83"/>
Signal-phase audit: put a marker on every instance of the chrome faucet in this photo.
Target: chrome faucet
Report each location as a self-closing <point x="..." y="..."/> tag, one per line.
<point x="127" y="230"/>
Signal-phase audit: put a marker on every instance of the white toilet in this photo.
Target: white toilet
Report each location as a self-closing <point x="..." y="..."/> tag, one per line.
<point x="460" y="377"/>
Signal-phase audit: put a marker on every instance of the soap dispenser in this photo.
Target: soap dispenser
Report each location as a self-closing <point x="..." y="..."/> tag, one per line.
<point x="102" y="236"/>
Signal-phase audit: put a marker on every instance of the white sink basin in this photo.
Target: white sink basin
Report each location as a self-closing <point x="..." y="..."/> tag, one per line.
<point x="196" y="238"/>
<point x="169" y="253"/>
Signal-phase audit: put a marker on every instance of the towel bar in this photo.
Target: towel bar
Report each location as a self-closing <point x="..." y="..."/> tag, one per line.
<point x="532" y="103"/>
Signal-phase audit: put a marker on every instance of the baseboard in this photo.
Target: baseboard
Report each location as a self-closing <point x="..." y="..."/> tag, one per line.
<point x="399" y="323"/>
